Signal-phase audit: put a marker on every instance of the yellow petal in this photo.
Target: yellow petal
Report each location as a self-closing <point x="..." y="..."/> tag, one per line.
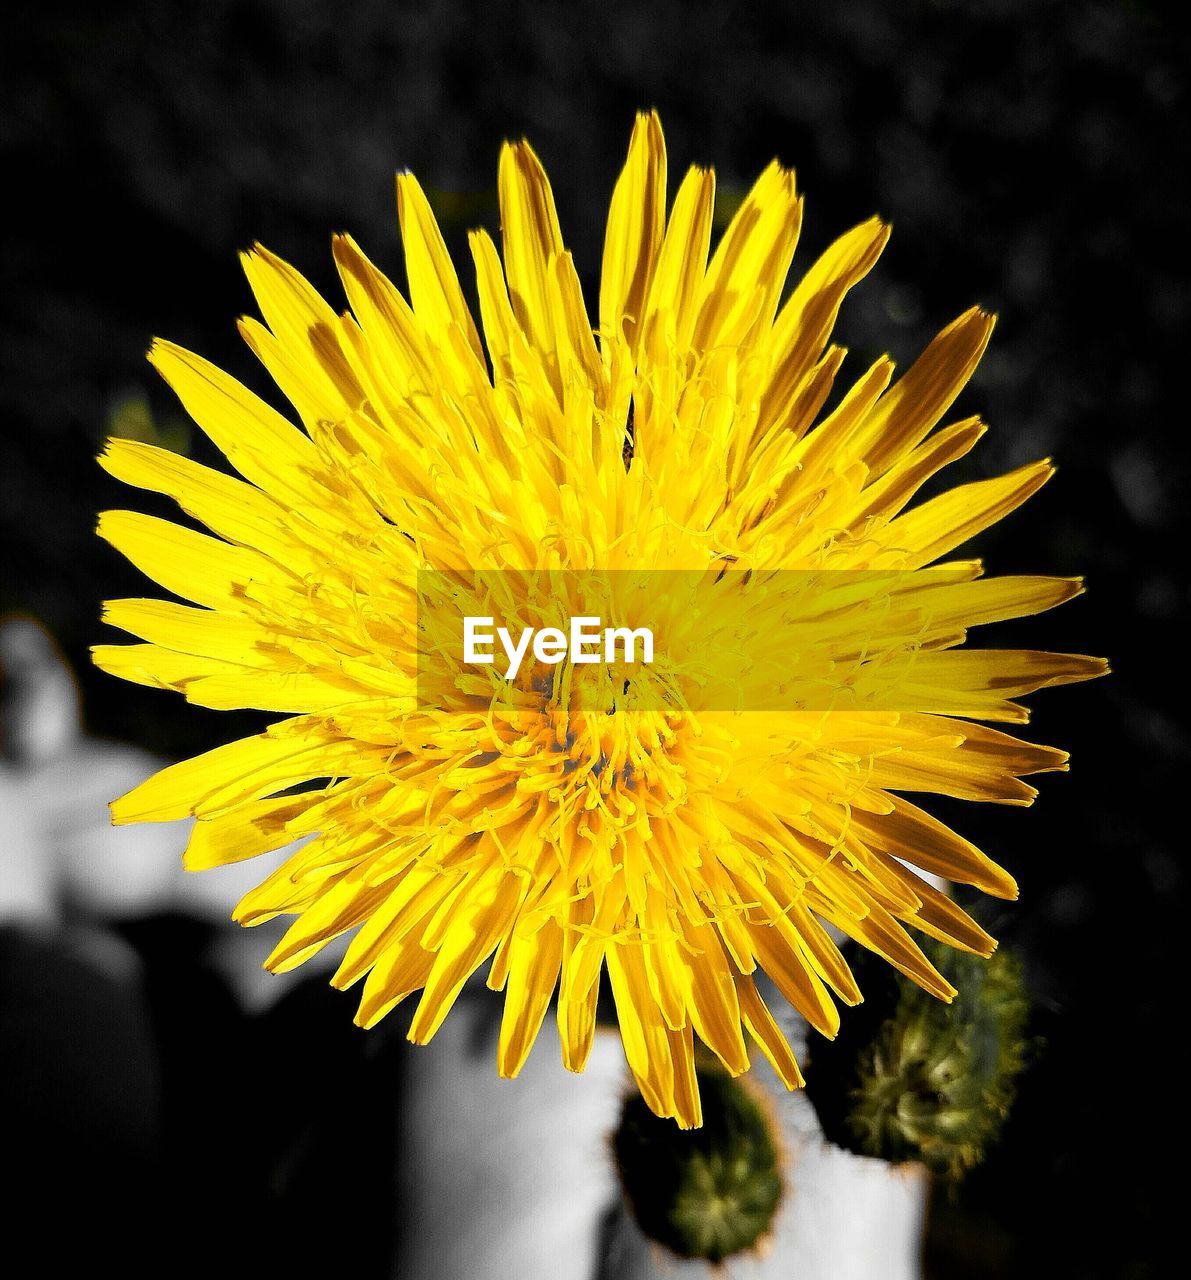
<point x="229" y="637"/>
<point x="532" y="240"/>
<point x="890" y="493"/>
<point x="385" y="317"/>
<point x="946" y="522"/>
<point x="1009" y="672"/>
<point x="248" y="768"/>
<point x="433" y="284"/>
<point x="636" y="225"/>
<point x="158" y="668"/>
<point x="306" y="327"/>
<point x="711" y="997"/>
<point x="802" y="328"/>
<point x="643" y="1033"/>
<point x="913" y="835"/>
<point x="796" y="980"/>
<point x="753" y="256"/>
<point x="906" y="413"/>
<point x="766" y="1032"/>
<point x="253" y="829"/>
<point x="535" y="960"/>
<point x="263" y="447"/>
<point x="189" y="564"/>
<point x="472" y="937"/>
<point x="682" y="260"/>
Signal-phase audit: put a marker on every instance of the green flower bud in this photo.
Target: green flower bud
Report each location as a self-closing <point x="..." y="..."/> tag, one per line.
<point x="912" y="1078"/>
<point x="705" y="1193"/>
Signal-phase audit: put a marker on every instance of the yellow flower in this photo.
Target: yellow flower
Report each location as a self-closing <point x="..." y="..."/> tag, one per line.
<point x="681" y="851"/>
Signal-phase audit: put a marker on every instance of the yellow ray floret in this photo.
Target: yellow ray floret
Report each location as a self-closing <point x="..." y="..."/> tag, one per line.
<point x="698" y="859"/>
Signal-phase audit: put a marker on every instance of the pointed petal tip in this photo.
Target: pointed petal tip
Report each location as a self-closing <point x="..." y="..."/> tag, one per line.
<point x="408" y="188"/>
<point x="520" y="151"/>
<point x="121" y="813"/>
<point x="161" y="349"/>
<point x="368" y="1015"/>
<point x="998" y="883"/>
<point x="510" y="1068"/>
<point x="977" y="315"/>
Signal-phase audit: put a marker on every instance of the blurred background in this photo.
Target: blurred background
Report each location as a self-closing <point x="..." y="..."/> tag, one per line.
<point x="1032" y="157"/>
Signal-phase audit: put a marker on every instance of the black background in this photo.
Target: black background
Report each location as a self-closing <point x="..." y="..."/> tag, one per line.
<point x="1032" y="158"/>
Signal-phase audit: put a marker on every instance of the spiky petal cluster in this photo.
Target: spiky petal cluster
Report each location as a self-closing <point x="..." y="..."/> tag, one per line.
<point x="685" y="432"/>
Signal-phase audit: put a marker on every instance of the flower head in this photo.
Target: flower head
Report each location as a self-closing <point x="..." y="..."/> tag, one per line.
<point x="679" y="849"/>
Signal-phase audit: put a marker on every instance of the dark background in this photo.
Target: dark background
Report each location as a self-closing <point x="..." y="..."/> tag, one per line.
<point x="1032" y="157"/>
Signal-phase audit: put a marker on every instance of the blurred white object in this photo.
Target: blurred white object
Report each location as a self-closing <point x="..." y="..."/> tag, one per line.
<point x="39" y="713"/>
<point x="60" y="845"/>
<point x="58" y="784"/>
<point x="842" y="1217"/>
<point x="504" y="1179"/>
<point x="514" y="1180"/>
<point x="27" y="888"/>
<point x="39" y="717"/>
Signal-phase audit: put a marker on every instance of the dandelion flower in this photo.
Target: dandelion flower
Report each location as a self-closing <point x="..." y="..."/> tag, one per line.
<point x="682" y="854"/>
